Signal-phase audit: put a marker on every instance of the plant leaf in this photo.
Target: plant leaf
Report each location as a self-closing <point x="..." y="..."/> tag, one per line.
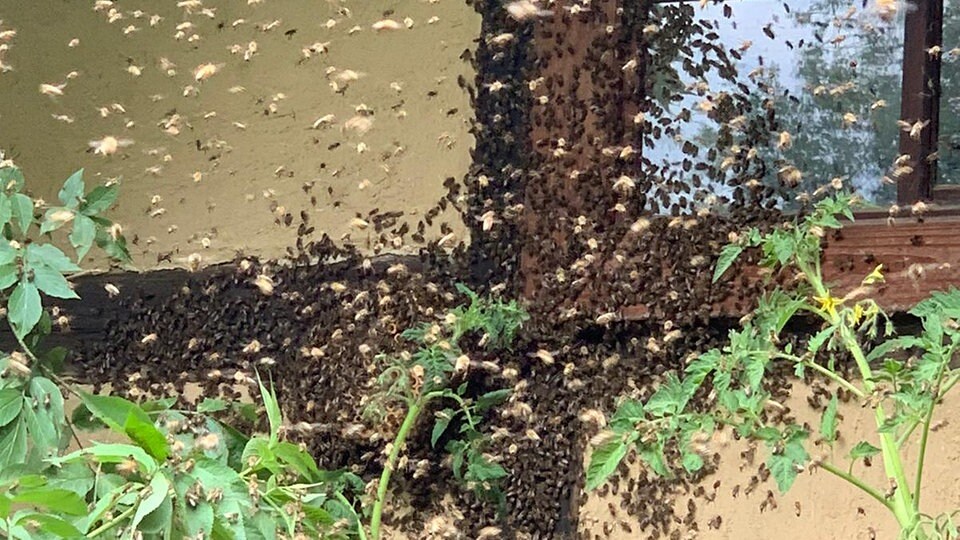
<point x="9" y="274"/>
<point x="75" y="477"/>
<point x="24" y="308"/>
<point x="145" y="434"/>
<point x="273" y="409"/>
<point x="297" y="459"/>
<point x="52" y="283"/>
<point x="56" y="499"/>
<point x="21" y="207"/>
<point x="211" y="405"/>
<point x="110" y="453"/>
<point x="51" y="256"/>
<point x="11" y="176"/>
<point x="83" y="234"/>
<point x="863" y="449"/>
<point x="159" y="485"/>
<point x="784" y="466"/>
<point x="828" y="422"/>
<point x="51" y="524"/>
<point x="605" y="459"/>
<point x="444" y="418"/>
<point x="11" y="402"/>
<point x="728" y="255"/>
<point x="495" y="397"/>
<point x="99" y="199"/>
<point x="72" y="190"/>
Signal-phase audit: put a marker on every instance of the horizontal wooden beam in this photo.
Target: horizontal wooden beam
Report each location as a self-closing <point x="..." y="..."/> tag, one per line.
<point x="919" y="256"/>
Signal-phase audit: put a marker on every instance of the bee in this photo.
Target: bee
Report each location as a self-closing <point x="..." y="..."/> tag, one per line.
<point x="108" y="145"/>
<point x="386" y="24"/>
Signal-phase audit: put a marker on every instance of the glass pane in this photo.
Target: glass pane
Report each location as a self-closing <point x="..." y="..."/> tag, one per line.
<point x="822" y="77"/>
<point x="948" y="168"/>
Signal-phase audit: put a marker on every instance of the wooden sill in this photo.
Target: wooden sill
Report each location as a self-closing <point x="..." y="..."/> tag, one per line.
<point x="918" y="257"/>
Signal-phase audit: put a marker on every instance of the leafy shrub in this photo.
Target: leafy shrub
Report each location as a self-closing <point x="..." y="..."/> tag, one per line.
<point x="903" y="393"/>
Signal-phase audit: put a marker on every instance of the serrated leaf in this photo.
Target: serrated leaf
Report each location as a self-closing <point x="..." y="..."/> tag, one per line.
<point x="196" y="520"/>
<point x="52" y="283"/>
<point x="940" y="304"/>
<point x="627" y="415"/>
<point x="82" y="236"/>
<point x="653" y="456"/>
<point x="691" y="461"/>
<point x="754" y="368"/>
<point x="444" y="418"/>
<point x="127" y="418"/>
<point x="821" y="337"/>
<point x="24" y="308"/>
<point x="160" y="519"/>
<point x="212" y="405"/>
<point x="162" y="404"/>
<point x="72" y="190"/>
<point x="21" y="207"/>
<point x="863" y="449"/>
<point x="297" y="459"/>
<point x="728" y="255"/>
<point x="605" y="459"/>
<point x="11" y="402"/>
<point x="42" y="430"/>
<point x="669" y="398"/>
<point x="786" y="465"/>
<point x="828" y="422"/>
<point x="159" y="485"/>
<point x="495" y="397"/>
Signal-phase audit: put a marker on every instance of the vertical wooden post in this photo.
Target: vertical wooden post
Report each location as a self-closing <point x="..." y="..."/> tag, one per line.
<point x="921" y="99"/>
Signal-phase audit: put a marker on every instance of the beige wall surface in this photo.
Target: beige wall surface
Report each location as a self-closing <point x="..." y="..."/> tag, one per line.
<point x="252" y="119"/>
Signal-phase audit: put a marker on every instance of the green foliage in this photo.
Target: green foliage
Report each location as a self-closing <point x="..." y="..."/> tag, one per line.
<point x="197" y="486"/>
<point x="415" y="380"/>
<point x="181" y="474"/>
<point x="901" y="378"/>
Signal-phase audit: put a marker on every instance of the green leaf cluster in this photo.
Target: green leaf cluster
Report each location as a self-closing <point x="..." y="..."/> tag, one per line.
<point x="901" y="379"/>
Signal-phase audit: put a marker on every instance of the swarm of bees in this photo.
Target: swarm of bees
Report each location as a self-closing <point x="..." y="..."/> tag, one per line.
<point x="566" y="205"/>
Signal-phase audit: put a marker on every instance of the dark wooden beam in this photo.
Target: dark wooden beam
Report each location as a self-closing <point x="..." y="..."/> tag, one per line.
<point x="918" y="257"/>
<point x="920" y="100"/>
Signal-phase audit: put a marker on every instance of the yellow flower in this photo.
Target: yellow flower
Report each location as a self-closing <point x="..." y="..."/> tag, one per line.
<point x="828" y="303"/>
<point x="874" y="277"/>
<point x="857" y="314"/>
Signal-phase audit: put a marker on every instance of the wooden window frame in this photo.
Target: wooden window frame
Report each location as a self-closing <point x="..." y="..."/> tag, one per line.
<point x="920" y="102"/>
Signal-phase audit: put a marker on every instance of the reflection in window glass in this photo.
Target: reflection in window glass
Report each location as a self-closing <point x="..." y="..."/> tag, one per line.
<point x="826" y="78"/>
<point x="948" y="168"/>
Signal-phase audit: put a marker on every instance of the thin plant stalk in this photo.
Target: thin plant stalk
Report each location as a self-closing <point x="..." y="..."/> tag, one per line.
<point x="902" y="504"/>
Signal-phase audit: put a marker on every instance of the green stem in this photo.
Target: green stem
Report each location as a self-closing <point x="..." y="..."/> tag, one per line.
<point x="115" y="521"/>
<point x="412" y="414"/>
<point x="903" y="507"/>
<point x="928" y="417"/>
<point x="902" y="504"/>
<point x="863" y="486"/>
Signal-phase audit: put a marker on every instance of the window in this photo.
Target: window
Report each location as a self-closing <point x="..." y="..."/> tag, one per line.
<point x="869" y="93"/>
